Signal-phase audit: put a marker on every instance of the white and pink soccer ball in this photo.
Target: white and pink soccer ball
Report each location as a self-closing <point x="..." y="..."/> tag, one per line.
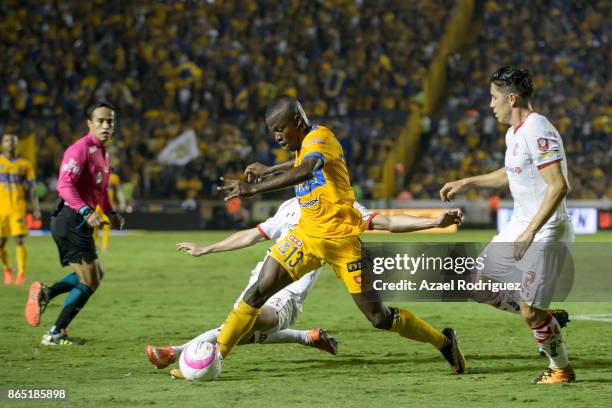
<point x="201" y="361"/>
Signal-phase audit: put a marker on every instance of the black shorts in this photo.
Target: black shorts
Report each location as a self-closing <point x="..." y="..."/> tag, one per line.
<point x="73" y="236"/>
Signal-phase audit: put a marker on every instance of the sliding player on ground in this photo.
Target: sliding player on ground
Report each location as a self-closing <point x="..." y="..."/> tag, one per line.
<point x="285" y="306"/>
<point x="328" y="232"/>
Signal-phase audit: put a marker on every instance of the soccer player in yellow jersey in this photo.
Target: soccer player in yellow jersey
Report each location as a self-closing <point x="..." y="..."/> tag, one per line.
<point x="16" y="177"/>
<point x="328" y="232"/>
<point x="114" y="191"/>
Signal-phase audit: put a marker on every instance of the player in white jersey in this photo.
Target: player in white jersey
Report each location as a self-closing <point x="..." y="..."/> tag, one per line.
<point x="536" y="172"/>
<point x="284" y="307"/>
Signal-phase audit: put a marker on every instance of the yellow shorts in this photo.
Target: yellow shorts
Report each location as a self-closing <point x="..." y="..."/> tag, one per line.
<point x="300" y="254"/>
<point x="13" y="224"/>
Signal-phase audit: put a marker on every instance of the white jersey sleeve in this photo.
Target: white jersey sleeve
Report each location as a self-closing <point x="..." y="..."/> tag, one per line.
<point x="530" y="147"/>
<point x="366" y="214"/>
<point x="544" y="144"/>
<point x="285" y="217"/>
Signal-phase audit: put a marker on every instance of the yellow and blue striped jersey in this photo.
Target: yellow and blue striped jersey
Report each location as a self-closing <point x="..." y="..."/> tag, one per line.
<point x="327" y="198"/>
<point x="15" y="178"/>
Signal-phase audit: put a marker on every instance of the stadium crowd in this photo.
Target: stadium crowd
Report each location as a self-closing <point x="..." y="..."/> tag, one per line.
<point x="565" y="46"/>
<point x="357" y="66"/>
<point x="212" y="66"/>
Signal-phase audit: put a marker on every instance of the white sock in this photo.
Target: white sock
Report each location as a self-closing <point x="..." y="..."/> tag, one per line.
<point x="284" y="336"/>
<point x="209" y="336"/>
<point x="549" y="338"/>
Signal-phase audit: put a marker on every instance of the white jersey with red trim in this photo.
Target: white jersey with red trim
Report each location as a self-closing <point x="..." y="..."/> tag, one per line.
<point x="286" y="218"/>
<point x="533" y="145"/>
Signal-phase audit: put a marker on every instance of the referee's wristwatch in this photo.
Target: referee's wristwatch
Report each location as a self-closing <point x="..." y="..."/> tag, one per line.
<point x="85" y="211"/>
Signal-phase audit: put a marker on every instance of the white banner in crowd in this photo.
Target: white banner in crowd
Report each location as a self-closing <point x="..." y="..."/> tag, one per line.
<point x="584" y="220"/>
<point x="181" y="150"/>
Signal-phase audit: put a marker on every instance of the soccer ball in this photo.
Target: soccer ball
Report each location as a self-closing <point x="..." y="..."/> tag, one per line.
<point x="201" y="361"/>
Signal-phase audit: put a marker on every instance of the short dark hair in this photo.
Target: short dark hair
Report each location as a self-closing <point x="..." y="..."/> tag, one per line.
<point x="513" y="79"/>
<point x="287" y="105"/>
<point x="98" y="104"/>
<point x="282" y="106"/>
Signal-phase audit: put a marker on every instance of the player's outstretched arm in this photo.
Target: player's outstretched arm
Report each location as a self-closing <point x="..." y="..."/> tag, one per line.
<point x="296" y="175"/>
<point x="495" y="179"/>
<point x="255" y="172"/>
<point x="237" y="240"/>
<point x="406" y="223"/>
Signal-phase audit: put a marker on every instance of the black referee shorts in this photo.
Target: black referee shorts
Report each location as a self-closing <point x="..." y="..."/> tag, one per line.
<point x="73" y="236"/>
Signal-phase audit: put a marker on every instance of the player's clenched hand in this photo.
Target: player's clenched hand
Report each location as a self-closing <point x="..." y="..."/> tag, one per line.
<point x="522" y="243"/>
<point x="235" y="188"/>
<point x="117" y="221"/>
<point x="447" y="193"/>
<point x="94" y="220"/>
<point x="450" y="217"/>
<point x="192" y="249"/>
<point x="255" y="172"/>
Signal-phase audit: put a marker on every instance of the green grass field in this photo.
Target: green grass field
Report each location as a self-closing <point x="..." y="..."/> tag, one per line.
<point x="153" y="294"/>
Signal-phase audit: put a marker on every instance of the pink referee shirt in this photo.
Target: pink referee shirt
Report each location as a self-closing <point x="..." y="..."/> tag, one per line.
<point x="84" y="174"/>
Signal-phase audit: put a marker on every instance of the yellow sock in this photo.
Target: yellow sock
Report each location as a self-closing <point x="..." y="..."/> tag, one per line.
<point x="406" y="324"/>
<point x="22" y="259"/>
<point x="95" y="237"/>
<point x="106" y="237"/>
<point x="4" y="258"/>
<point x="238" y="323"/>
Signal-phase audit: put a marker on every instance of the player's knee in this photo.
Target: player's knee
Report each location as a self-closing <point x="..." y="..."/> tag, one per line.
<point x="267" y="319"/>
<point x="531" y="315"/>
<point x="91" y="278"/>
<point x="20" y="239"/>
<point x="2" y="243"/>
<point x="100" y="271"/>
<point x="255" y="296"/>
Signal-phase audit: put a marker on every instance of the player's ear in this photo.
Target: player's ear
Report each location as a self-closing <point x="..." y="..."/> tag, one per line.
<point x="298" y="120"/>
<point x="513" y="99"/>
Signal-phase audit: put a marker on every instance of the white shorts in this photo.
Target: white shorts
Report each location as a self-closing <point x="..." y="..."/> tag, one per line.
<point x="546" y="261"/>
<point x="288" y="305"/>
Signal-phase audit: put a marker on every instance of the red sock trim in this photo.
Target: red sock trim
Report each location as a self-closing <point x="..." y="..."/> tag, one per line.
<point x="544" y="323"/>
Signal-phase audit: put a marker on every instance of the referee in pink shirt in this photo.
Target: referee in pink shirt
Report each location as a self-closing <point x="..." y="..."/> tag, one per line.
<point x="82" y="185"/>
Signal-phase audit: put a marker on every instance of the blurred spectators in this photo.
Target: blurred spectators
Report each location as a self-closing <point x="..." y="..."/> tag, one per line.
<point x="565" y="46"/>
<point x="213" y="66"/>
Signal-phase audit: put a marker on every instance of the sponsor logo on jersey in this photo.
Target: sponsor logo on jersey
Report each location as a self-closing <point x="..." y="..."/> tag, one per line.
<point x="93" y="149"/>
<point x="310" y="203"/>
<point x="295" y="240"/>
<point x="354" y="266"/>
<point x="10" y="178"/>
<point x="515" y="150"/>
<point x="316" y="140"/>
<point x="284" y="247"/>
<point x="98" y="177"/>
<point x="71" y="167"/>
<point x="543" y="145"/>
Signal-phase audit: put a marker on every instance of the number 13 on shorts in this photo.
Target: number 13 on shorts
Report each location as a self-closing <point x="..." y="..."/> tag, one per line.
<point x="291" y="249"/>
<point x="292" y="252"/>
